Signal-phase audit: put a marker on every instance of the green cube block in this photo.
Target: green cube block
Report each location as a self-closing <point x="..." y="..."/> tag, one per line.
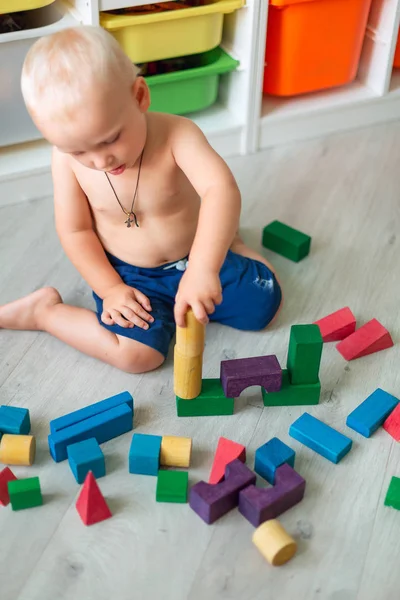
<point x="210" y="402"/>
<point x="25" y="493"/>
<point x="282" y="239"/>
<point x="293" y="395"/>
<point x="304" y="354"/>
<point x="393" y="494"/>
<point x="172" y="486"/>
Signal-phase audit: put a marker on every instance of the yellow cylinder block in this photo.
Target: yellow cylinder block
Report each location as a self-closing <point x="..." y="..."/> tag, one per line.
<point x="274" y="543"/>
<point x="187" y="375"/>
<point x="17" y="449"/>
<point x="175" y="451"/>
<point x="190" y="339"/>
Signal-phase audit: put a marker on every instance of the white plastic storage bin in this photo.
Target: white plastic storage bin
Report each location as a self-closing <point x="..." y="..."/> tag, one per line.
<point x="16" y="125"/>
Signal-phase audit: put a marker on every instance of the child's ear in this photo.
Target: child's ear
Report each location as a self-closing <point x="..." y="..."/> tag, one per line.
<point x="141" y="94"/>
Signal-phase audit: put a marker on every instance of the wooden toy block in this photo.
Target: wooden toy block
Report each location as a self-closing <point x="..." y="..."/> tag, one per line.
<point x="272" y="455"/>
<point x="86" y="456"/>
<point x="188" y="358"/>
<point x="274" y="543"/>
<point x="371" y="337"/>
<point x="293" y="395"/>
<point x="261" y="504"/>
<point x="25" y="493"/>
<point x="226" y="452"/>
<point x="14" y="419"/>
<point x="211" y="502"/>
<point x="91" y="504"/>
<point x="144" y="454"/>
<point x="103" y="427"/>
<point x="370" y="414"/>
<point x="337" y="326"/>
<point x="287" y="241"/>
<point x="17" y="449"/>
<point x="175" y="451"/>
<point x="320" y="437"/>
<point x="92" y="410"/>
<point x="304" y="354"/>
<point x="210" y="402"/>
<point x="6" y="475"/>
<point x="172" y="486"/>
<point x="392" y="424"/>
<point x="393" y="494"/>
<point x="241" y="373"/>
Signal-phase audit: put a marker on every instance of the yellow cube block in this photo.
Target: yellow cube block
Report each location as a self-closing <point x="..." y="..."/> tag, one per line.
<point x="175" y="451"/>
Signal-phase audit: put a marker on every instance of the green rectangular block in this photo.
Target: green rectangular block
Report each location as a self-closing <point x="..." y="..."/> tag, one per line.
<point x="210" y="402"/>
<point x="293" y="395"/>
<point x="304" y="354"/>
<point x="393" y="494"/>
<point x="287" y="241"/>
<point x="172" y="486"/>
<point x="25" y="493"/>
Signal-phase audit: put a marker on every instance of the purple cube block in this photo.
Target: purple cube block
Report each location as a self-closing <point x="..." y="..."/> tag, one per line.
<point x="261" y="504"/>
<point x="240" y="373"/>
<point x="212" y="500"/>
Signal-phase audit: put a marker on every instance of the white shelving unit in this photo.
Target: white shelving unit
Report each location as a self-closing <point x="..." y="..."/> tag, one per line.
<point x="242" y="121"/>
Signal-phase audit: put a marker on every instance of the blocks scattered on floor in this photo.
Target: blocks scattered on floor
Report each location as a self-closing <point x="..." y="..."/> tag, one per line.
<point x="15" y="420"/>
<point x="226" y="452"/>
<point x="86" y="456"/>
<point x="172" y="486"/>
<point x="91" y="504"/>
<point x="285" y="240"/>
<point x="321" y="438"/>
<point x="144" y="454"/>
<point x="371" y="414"/>
<point x="272" y="455"/>
<point x="274" y="543"/>
<point x="17" y="449"/>
<point x="25" y="493"/>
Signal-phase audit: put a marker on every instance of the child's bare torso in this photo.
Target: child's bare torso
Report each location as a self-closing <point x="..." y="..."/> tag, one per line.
<point x="166" y="207"/>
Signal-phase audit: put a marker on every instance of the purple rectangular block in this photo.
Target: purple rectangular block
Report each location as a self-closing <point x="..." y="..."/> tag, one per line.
<point x="212" y="500"/>
<point x="240" y="373"/>
<point x="261" y="504"/>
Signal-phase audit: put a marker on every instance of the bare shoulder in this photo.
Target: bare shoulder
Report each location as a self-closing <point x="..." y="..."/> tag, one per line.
<point x="171" y="129"/>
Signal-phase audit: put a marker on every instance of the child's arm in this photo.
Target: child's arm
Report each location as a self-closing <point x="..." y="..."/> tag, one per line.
<point x="218" y="220"/>
<point x="74" y="225"/>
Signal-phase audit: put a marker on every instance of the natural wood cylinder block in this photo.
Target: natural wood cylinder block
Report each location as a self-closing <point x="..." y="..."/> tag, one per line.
<point x="17" y="449"/>
<point x="187" y="375"/>
<point x="175" y="451"/>
<point x="274" y="543"/>
<point x="190" y="339"/>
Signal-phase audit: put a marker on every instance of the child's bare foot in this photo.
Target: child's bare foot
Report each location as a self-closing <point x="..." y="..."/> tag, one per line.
<point x="240" y="247"/>
<point x="26" y="313"/>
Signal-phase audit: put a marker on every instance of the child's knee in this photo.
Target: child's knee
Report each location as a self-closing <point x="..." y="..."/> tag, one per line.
<point x="138" y="358"/>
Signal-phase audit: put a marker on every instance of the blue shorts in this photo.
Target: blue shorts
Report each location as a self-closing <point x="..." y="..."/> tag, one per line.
<point x="251" y="297"/>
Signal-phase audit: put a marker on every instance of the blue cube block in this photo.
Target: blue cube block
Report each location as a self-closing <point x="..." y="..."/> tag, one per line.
<point x="144" y="454"/>
<point x="272" y="455"/>
<point x="14" y="420"/>
<point x="86" y="456"/>
<point x="321" y="438"/>
<point x="370" y="414"/>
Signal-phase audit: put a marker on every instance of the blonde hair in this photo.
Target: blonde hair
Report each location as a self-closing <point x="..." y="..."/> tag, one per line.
<point x="60" y="69"/>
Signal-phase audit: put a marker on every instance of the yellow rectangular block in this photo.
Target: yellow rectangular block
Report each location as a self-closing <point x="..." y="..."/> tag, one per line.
<point x="175" y="451"/>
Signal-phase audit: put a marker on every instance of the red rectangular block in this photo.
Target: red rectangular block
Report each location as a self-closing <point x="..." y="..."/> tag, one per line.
<point x="392" y="424"/>
<point x="338" y="325"/>
<point x="226" y="452"/>
<point x="371" y="337"/>
<point x="6" y="475"/>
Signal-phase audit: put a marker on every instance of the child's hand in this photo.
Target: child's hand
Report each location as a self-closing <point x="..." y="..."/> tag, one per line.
<point x="126" y="306"/>
<point x="200" y="290"/>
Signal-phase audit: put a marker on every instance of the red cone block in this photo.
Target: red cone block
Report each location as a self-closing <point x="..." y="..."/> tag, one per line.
<point x="226" y="452"/>
<point x="6" y="475"/>
<point x="91" y="505"/>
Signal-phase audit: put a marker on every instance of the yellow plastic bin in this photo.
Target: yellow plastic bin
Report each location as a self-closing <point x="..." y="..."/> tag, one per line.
<point x="11" y="6"/>
<point x="157" y="36"/>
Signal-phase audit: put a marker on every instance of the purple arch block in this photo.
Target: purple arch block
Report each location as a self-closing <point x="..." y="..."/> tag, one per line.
<point x="240" y="373"/>
<point x="261" y="504"/>
<point x="212" y="501"/>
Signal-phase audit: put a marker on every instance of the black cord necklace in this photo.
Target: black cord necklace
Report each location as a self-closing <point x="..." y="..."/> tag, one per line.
<point x="130" y="214"/>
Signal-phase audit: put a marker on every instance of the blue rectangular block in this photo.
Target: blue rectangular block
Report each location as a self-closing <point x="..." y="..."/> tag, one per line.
<point x="103" y="427"/>
<point x="90" y="411"/>
<point x="272" y="455"/>
<point x="370" y="414"/>
<point x="320" y="437"/>
<point x="15" y="420"/>
<point x="144" y="454"/>
<point x="86" y="456"/>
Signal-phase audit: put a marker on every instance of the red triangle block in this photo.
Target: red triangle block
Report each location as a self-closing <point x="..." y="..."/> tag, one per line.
<point x="371" y="337"/>
<point x="91" y="504"/>
<point x="226" y="452"/>
<point x="6" y="475"/>
<point x="392" y="424"/>
<point x="337" y="326"/>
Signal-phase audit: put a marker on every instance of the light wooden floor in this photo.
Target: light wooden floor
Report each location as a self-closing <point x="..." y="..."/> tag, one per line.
<point x="345" y="192"/>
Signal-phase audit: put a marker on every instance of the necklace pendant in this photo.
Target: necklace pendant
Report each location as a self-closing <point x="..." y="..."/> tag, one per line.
<point x="129" y="221"/>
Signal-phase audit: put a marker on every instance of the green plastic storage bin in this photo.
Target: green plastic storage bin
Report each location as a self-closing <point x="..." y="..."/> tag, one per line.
<point x="191" y="89"/>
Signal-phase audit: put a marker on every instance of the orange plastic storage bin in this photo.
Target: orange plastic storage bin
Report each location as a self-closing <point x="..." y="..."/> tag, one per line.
<point x="313" y="44"/>
<point x="396" y="62"/>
